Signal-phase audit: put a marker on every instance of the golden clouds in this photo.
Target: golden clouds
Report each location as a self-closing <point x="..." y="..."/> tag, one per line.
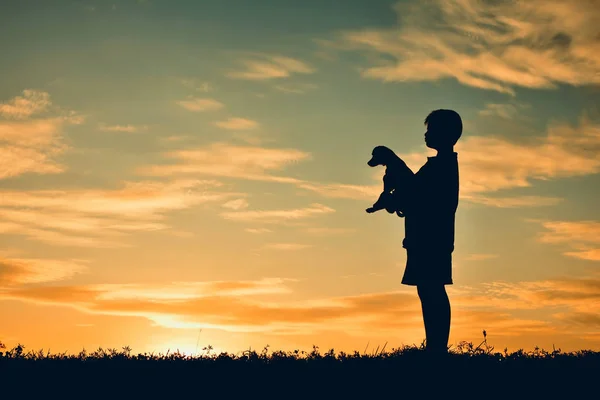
<point x="227" y="160"/>
<point x="287" y="246"/>
<point x="487" y="45"/>
<point x="201" y="104"/>
<point x="226" y="305"/>
<point x="19" y="271"/>
<point x="266" y="66"/>
<point x="582" y="237"/>
<point x="236" y="124"/>
<point x="296" y="88"/>
<point x="237" y="306"/>
<point x="99" y="218"/>
<point x="275" y="216"/>
<point x="30" y="145"/>
<point x="129" y="128"/>
<point x="31" y="102"/>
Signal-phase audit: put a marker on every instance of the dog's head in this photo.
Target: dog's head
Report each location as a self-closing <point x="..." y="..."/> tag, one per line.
<point x="381" y="155"/>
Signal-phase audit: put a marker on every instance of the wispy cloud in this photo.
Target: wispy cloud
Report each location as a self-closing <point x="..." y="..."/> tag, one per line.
<point x="296" y="88"/>
<point x="201" y="104"/>
<point x="22" y="271"/>
<point x="487" y="45"/>
<point x="31" y="102"/>
<point x="237" y="204"/>
<point x="583" y="237"/>
<point x="480" y="257"/>
<point x="343" y="191"/>
<point x="504" y="110"/>
<point x="223" y="305"/>
<point x="579" y="294"/>
<point x="236" y="306"/>
<point x="258" y="230"/>
<point x="29" y="145"/>
<point x="328" y="231"/>
<point x="196" y="84"/>
<point x="265" y="66"/>
<point x="516" y="201"/>
<point x="276" y="216"/>
<point x="227" y="160"/>
<point x="239" y="124"/>
<point x="124" y="128"/>
<point x="99" y="218"/>
<point x="287" y="246"/>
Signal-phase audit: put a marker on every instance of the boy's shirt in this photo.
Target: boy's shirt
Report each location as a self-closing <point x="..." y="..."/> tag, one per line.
<point x="429" y="205"/>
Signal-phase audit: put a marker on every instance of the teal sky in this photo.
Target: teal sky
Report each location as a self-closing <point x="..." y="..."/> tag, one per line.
<point x="165" y="129"/>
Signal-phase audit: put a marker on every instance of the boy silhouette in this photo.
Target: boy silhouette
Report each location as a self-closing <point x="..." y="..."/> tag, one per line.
<point x="429" y="204"/>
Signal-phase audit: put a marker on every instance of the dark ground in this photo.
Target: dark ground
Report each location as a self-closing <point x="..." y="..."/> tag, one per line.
<point x="406" y="373"/>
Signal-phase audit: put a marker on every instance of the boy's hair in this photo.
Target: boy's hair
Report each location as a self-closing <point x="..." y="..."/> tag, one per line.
<point x="449" y="120"/>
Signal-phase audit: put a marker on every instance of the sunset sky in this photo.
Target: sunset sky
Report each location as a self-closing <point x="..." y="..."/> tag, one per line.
<point x="181" y="173"/>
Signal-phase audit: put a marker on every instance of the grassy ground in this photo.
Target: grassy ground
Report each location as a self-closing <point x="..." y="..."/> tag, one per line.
<point x="467" y="371"/>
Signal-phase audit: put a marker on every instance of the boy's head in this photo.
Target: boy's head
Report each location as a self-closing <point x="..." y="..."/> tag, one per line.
<point x="444" y="128"/>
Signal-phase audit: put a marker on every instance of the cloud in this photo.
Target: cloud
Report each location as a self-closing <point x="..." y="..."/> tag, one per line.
<point x="237" y="204"/>
<point x="327" y="231"/>
<point x="124" y="128"/>
<point x="258" y="230"/>
<point x="516" y="201"/>
<point x="343" y="191"/>
<point x="233" y="161"/>
<point x="503" y="110"/>
<point x="201" y="104"/>
<point x="296" y="88"/>
<point x="496" y="45"/>
<point x="264" y="66"/>
<point x="31" y="102"/>
<point x="20" y="271"/>
<point x="276" y="216"/>
<point x="287" y="246"/>
<point x="240" y="306"/>
<point x="582" y="236"/>
<point x="223" y="305"/>
<point x="237" y="124"/>
<point x="100" y="218"/>
<point x="480" y="257"/>
<point x="253" y="163"/>
<point x="578" y="294"/>
<point x="30" y="145"/>
<point x="196" y="84"/>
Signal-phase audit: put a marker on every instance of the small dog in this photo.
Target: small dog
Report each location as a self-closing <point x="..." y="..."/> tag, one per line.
<point x="396" y="173"/>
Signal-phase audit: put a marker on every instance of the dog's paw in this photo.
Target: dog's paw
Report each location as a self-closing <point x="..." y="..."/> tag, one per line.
<point x="370" y="210"/>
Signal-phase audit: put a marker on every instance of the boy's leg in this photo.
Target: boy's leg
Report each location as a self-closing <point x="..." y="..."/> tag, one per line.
<point x="436" y="315"/>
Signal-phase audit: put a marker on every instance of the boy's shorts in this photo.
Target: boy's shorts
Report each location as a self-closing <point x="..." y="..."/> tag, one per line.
<point x="427" y="267"/>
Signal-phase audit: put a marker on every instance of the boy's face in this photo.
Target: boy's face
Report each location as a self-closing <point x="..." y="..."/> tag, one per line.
<point x="433" y="137"/>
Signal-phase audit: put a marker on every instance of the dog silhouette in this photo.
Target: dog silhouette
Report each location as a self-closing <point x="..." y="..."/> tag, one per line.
<point x="396" y="174"/>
